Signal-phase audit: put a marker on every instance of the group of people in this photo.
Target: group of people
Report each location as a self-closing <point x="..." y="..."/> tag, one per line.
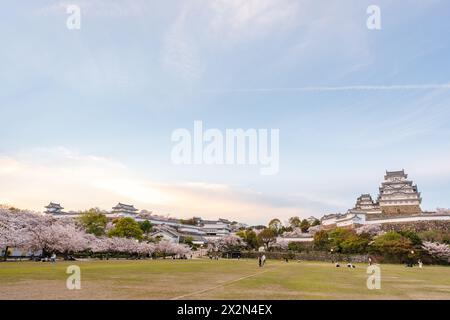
<point x="349" y="265"/>
<point x="410" y="264"/>
<point x="262" y="260"/>
<point x="52" y="258"/>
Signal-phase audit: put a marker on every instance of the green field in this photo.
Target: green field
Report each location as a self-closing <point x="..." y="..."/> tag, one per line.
<point x="223" y="279"/>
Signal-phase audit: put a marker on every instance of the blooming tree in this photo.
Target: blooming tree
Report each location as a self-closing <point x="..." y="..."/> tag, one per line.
<point x="165" y="248"/>
<point x="294" y="233"/>
<point x="13" y="230"/>
<point x="312" y="230"/>
<point x="42" y="233"/>
<point x="182" y="250"/>
<point x="229" y="242"/>
<point x="438" y="251"/>
<point x="281" y="244"/>
<point x="371" y="229"/>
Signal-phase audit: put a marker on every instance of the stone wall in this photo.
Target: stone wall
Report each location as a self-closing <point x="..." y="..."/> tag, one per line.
<point x="403" y="210"/>
<point x="417" y="226"/>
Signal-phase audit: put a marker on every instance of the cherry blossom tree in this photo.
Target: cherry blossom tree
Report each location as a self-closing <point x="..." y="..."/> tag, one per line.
<point x="439" y="251"/>
<point x="51" y="235"/>
<point x="182" y="250"/>
<point x="145" y="249"/>
<point x="294" y="233"/>
<point x="165" y="248"/>
<point x="371" y="229"/>
<point x="40" y="233"/>
<point x="35" y="232"/>
<point x="229" y="242"/>
<point x="312" y="230"/>
<point x="13" y="230"/>
<point x="281" y="244"/>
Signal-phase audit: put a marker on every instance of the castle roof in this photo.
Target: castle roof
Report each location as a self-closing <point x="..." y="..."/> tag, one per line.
<point x="126" y="207"/>
<point x="54" y="206"/>
<point x="396" y="174"/>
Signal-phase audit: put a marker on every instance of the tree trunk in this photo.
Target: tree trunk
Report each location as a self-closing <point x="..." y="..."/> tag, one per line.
<point x="5" y="256"/>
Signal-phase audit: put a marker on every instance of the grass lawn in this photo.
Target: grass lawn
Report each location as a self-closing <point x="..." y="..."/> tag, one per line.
<point x="223" y="279"/>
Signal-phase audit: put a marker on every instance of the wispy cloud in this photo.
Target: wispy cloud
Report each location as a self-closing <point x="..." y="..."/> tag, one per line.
<point x="240" y="19"/>
<point x="338" y="88"/>
<point x="180" y="52"/>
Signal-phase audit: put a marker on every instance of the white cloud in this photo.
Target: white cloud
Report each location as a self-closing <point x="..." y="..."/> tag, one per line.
<point x="180" y="53"/>
<point x="400" y="87"/>
<point x="200" y="27"/>
<point x="32" y="179"/>
<point x="243" y="18"/>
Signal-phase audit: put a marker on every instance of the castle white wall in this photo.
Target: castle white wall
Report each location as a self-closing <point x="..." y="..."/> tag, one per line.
<point x="409" y="219"/>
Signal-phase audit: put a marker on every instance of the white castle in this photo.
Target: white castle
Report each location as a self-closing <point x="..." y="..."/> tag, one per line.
<point x="398" y="201"/>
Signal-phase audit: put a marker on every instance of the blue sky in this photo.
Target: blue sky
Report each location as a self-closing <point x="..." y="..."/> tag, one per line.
<point x="87" y="114"/>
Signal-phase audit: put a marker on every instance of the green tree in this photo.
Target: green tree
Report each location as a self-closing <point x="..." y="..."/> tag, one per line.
<point x="304" y="225"/>
<point x="393" y="246"/>
<point x="412" y="236"/>
<point x="146" y="226"/>
<point x="275" y="225"/>
<point x="337" y="236"/>
<point x="342" y="240"/>
<point x="94" y="221"/>
<point x="315" y="223"/>
<point x="435" y="236"/>
<point x="126" y="228"/>
<point x="294" y="222"/>
<point x="354" y="243"/>
<point x="321" y="240"/>
<point x="297" y="246"/>
<point x="189" y="241"/>
<point x="249" y="237"/>
<point x="267" y="236"/>
<point x="188" y="221"/>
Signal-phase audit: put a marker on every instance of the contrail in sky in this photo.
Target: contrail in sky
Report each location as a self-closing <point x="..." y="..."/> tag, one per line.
<point x="343" y="88"/>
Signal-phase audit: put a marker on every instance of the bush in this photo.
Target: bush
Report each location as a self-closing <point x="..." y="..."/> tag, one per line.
<point x="348" y="241"/>
<point x="299" y="246"/>
<point x="393" y="247"/>
<point x="321" y="241"/>
<point x="126" y="228"/>
<point x="354" y="243"/>
<point x="435" y="236"/>
<point x="412" y="236"/>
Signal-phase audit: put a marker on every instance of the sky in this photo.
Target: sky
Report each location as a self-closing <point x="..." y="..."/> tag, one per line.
<point x="87" y="115"/>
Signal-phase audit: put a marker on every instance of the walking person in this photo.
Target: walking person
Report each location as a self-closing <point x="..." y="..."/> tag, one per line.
<point x="263" y="258"/>
<point x="370" y="261"/>
<point x="260" y="261"/>
<point x="53" y="257"/>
